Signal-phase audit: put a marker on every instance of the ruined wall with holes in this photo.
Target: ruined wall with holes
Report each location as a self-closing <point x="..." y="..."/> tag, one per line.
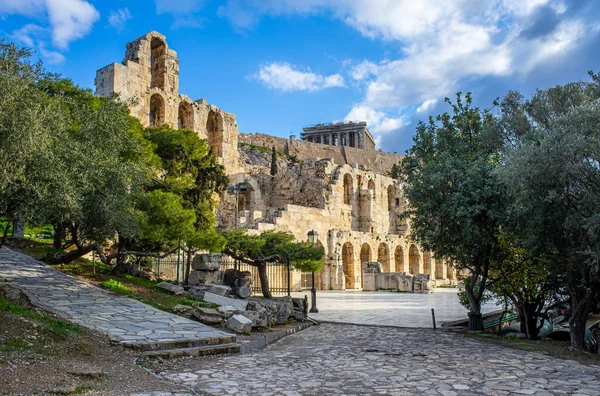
<point x="339" y="191"/>
<point x="148" y="78"/>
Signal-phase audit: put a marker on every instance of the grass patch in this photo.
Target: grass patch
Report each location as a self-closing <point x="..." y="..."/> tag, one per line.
<point x="116" y="286"/>
<point x="77" y="391"/>
<point x="58" y="328"/>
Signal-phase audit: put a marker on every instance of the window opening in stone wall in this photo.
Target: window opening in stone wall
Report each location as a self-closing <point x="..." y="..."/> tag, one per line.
<point x="157" y="63"/>
<point x="390" y="192"/>
<point x="383" y="256"/>
<point x="156" y="117"/>
<point x="371" y="186"/>
<point x="449" y="271"/>
<point x="439" y="268"/>
<point x="413" y="260"/>
<point x="399" y="259"/>
<point x="365" y="254"/>
<point x="348" y="189"/>
<point x="397" y="201"/>
<point x="185" y="118"/>
<point x="214" y="131"/>
<point x="348" y="265"/>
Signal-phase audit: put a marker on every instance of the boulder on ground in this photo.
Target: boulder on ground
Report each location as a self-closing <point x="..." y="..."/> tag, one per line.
<point x="170" y="287"/>
<point x="183" y="310"/>
<point x="198" y="277"/>
<point x="240" y="324"/>
<point x="241" y="291"/>
<point x="279" y="309"/>
<point x="207" y="262"/>
<point x="240" y="305"/>
<point x="259" y="319"/>
<point x="208" y="316"/>
<point x="220" y="290"/>
<point x="236" y="278"/>
<point x="227" y="311"/>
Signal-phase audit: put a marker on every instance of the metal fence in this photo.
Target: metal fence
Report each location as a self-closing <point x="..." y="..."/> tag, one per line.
<point x="171" y="267"/>
<point x="276" y="274"/>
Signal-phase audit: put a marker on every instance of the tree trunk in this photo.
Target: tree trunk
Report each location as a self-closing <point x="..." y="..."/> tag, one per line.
<point x="188" y="268"/>
<point x="5" y="234"/>
<point x="475" y="317"/>
<point x="121" y="267"/>
<point x="69" y="256"/>
<point x="264" y="280"/>
<point x="577" y="323"/>
<point x="58" y="234"/>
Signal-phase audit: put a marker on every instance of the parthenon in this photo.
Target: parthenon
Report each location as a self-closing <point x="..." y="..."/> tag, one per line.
<point x="353" y="134"/>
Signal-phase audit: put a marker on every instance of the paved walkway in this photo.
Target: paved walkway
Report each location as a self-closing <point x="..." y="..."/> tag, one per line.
<point x="390" y="308"/>
<point x="123" y="319"/>
<point x="335" y="359"/>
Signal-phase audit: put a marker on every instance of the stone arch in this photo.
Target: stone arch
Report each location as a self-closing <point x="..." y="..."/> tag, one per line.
<point x="156" y="116"/>
<point x="383" y="256"/>
<point x="390" y="197"/>
<point x="413" y="260"/>
<point x="399" y="259"/>
<point x="185" y="115"/>
<point x="348" y="265"/>
<point x="214" y="131"/>
<point x="371" y="186"/>
<point x="427" y="263"/>
<point x="365" y="253"/>
<point x="439" y="268"/>
<point x="348" y="190"/>
<point x="158" y="67"/>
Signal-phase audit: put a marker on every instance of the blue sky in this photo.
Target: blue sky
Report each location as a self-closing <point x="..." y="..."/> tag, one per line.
<point x="280" y="65"/>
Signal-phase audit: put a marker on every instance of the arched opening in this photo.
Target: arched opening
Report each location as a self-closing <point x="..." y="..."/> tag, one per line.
<point x="390" y="196"/>
<point x="383" y="256"/>
<point x="348" y="265"/>
<point x="413" y="260"/>
<point x="185" y="118"/>
<point x="156" y="117"/>
<point x="371" y="186"/>
<point x="158" y="50"/>
<point x="399" y="259"/>
<point x="365" y="253"/>
<point x="214" y="130"/>
<point x="450" y="271"/>
<point x="347" y="189"/>
<point x="439" y="268"/>
<point x="427" y="263"/>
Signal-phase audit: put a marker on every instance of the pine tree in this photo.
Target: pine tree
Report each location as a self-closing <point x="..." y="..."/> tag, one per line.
<point x="273" y="162"/>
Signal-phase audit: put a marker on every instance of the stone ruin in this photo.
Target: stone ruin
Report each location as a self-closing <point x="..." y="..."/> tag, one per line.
<point x="334" y="184"/>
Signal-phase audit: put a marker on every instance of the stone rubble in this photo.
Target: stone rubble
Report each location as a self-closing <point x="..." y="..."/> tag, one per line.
<point x="240" y="324"/>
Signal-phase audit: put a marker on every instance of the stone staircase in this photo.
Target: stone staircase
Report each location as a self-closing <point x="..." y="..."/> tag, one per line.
<point x="194" y="348"/>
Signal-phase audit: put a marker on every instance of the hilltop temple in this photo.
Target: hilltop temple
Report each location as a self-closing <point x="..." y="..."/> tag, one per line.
<point x="331" y="181"/>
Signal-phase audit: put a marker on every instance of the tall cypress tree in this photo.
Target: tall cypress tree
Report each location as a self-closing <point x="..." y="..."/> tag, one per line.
<point x="273" y="162"/>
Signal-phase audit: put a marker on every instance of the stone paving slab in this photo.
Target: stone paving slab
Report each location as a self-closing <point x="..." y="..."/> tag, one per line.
<point x="385" y="308"/>
<point x="336" y="359"/>
<point x="123" y="319"/>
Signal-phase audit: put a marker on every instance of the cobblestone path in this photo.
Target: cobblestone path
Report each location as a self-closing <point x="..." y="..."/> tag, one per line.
<point x="362" y="360"/>
<point x="123" y="319"/>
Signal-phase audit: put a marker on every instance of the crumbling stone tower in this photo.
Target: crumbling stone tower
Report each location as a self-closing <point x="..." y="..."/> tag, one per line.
<point x="148" y="78"/>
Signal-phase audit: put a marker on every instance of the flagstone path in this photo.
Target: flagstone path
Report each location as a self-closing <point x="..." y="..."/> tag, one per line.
<point x="123" y="319"/>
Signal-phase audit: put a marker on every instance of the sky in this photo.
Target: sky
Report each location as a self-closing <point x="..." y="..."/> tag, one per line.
<point x="281" y="65"/>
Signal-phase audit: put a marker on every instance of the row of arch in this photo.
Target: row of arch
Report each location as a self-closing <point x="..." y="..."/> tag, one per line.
<point x="352" y="273"/>
<point x="185" y="119"/>
<point x="349" y="192"/>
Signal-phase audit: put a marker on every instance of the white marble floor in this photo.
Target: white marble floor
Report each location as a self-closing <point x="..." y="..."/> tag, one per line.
<point x="389" y="308"/>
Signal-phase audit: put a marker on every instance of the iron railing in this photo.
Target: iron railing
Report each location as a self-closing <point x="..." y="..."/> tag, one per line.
<point x="276" y="274"/>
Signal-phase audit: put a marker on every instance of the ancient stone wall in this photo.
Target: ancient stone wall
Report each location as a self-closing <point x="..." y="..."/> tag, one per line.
<point x="377" y="161"/>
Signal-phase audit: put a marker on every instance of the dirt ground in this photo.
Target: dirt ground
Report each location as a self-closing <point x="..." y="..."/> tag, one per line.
<point x="40" y="354"/>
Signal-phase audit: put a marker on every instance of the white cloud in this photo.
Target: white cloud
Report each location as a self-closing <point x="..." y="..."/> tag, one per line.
<point x="50" y="56"/>
<point x="27" y="35"/>
<point x="118" y="18"/>
<point x="284" y="77"/>
<point x="68" y="20"/>
<point x="426" y="106"/>
<point x="377" y="121"/>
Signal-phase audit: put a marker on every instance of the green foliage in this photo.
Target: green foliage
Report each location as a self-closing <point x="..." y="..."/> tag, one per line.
<point x="396" y="171"/>
<point x="273" y="162"/>
<point x="455" y="198"/>
<point x="116" y="287"/>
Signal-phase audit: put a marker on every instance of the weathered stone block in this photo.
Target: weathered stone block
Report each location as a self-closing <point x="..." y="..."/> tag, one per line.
<point x="206" y="277"/>
<point x="220" y="300"/>
<point x="181" y="309"/>
<point x="220" y="290"/>
<point x="228" y="311"/>
<point x="280" y="309"/>
<point x="239" y="324"/>
<point x="175" y="289"/>
<point x="236" y="278"/>
<point x="258" y="319"/>
<point x="207" y="262"/>
<point x="208" y="316"/>
<point x="242" y="291"/>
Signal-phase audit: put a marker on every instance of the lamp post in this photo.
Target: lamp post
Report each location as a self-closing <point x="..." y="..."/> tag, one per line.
<point x="313" y="237"/>
<point x="235" y="190"/>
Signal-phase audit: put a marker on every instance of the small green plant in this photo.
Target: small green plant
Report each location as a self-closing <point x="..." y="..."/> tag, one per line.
<point x="116" y="286"/>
